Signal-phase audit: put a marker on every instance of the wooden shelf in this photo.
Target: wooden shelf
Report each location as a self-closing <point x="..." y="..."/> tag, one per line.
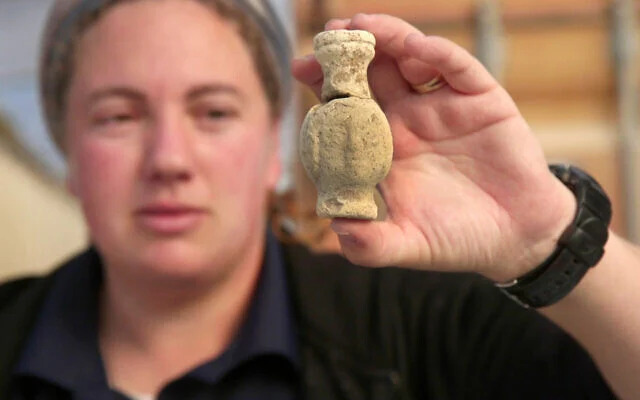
<point x="558" y="61"/>
<point x="528" y="9"/>
<point x="456" y="12"/>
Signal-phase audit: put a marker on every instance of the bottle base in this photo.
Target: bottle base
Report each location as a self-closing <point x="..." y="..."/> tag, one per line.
<point x="347" y="203"/>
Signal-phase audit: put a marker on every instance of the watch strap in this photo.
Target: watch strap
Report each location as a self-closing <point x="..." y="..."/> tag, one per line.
<point x="580" y="247"/>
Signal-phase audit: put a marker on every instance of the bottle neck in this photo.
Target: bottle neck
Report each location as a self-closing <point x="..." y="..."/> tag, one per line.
<point x="344" y="66"/>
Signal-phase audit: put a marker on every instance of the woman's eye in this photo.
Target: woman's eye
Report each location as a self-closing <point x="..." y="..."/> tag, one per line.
<point x="216" y="114"/>
<point x="214" y="119"/>
<point x="113" y="119"/>
<point x="117" y="118"/>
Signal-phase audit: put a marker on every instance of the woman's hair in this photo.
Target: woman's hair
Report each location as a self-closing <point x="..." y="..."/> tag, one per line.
<point x="255" y="20"/>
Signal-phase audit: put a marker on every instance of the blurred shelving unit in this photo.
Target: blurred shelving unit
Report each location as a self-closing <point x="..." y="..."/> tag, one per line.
<point x="570" y="65"/>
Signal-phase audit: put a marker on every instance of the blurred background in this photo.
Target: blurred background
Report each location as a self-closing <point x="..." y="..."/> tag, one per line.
<point x="571" y="66"/>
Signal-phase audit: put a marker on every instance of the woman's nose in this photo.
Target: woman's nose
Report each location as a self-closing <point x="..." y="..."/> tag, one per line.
<point x="168" y="155"/>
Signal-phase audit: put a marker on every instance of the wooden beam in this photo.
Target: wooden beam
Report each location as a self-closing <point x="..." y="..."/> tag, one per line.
<point x="624" y="32"/>
<point x="489" y="37"/>
<point x="558" y="61"/>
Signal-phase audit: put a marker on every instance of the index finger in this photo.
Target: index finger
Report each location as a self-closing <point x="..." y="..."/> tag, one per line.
<point x="461" y="70"/>
<point x="403" y="42"/>
<point x="390" y="32"/>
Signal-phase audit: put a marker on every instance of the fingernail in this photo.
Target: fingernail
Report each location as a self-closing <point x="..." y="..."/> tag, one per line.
<point x="337" y="229"/>
<point x="350" y="240"/>
<point x="359" y="18"/>
<point x="335" y="21"/>
<point x="305" y="58"/>
<point x="346" y="238"/>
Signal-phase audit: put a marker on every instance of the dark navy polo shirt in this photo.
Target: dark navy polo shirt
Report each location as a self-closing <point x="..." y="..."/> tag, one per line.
<point x="62" y="359"/>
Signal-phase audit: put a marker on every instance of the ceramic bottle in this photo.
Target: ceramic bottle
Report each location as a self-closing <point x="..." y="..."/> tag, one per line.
<point x="345" y="142"/>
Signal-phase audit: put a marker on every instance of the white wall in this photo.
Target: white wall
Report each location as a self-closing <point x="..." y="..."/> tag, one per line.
<point x="20" y="22"/>
<point x="39" y="223"/>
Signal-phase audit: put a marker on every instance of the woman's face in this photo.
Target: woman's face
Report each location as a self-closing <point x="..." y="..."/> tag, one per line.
<point x="172" y="149"/>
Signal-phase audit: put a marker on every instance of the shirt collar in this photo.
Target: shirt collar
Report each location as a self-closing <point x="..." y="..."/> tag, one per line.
<point x="269" y="328"/>
<point x="63" y="346"/>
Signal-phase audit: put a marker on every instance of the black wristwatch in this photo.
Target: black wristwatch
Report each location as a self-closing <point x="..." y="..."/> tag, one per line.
<point x="580" y="247"/>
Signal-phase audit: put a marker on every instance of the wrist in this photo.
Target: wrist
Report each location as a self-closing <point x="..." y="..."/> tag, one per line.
<point x="531" y="251"/>
<point x="566" y="207"/>
<point x="579" y="247"/>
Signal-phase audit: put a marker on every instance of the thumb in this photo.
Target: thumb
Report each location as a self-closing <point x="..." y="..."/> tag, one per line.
<point x="362" y="241"/>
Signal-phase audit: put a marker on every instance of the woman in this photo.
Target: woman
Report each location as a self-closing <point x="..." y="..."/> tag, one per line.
<point x="169" y="116"/>
<point x="172" y="107"/>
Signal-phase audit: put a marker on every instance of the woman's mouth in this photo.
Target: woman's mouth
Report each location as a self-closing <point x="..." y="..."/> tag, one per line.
<point x="169" y="219"/>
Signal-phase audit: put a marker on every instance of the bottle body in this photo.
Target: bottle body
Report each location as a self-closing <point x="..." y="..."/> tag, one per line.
<point x="346" y="150"/>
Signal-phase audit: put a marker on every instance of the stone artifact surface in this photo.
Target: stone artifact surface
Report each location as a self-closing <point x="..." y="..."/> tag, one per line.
<point x="345" y="142"/>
